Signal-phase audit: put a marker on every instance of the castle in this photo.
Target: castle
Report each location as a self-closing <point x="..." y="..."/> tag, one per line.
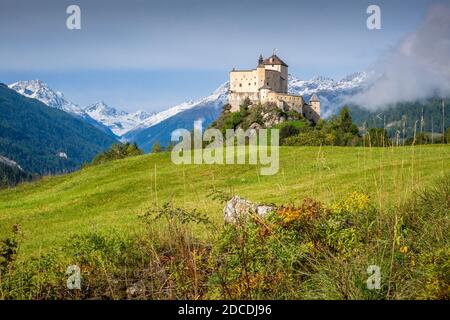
<point x="269" y="83"/>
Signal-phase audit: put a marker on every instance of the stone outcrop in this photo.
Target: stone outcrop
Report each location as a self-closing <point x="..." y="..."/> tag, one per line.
<point x="237" y="208"/>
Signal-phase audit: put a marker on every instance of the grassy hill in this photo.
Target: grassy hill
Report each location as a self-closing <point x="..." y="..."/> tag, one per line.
<point x="113" y="195"/>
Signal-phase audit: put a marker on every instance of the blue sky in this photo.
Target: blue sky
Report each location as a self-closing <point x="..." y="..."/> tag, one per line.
<point x="154" y="54"/>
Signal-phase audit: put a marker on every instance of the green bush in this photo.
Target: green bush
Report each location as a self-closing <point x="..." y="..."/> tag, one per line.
<point x="118" y="151"/>
<point x="311" y="138"/>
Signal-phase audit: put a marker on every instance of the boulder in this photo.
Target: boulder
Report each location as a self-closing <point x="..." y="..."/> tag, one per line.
<point x="237" y="208"/>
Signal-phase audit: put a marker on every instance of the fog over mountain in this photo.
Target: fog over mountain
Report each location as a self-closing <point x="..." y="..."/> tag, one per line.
<point x="418" y="67"/>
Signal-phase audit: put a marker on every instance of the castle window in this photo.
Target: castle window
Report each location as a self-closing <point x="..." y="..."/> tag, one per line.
<point x="240" y="84"/>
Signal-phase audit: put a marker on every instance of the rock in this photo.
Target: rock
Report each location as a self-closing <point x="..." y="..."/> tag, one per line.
<point x="237" y="208"/>
<point x="263" y="210"/>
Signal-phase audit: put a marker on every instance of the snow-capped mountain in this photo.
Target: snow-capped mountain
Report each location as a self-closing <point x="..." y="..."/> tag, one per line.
<point x="217" y="99"/>
<point x="332" y="94"/>
<point x="120" y="122"/>
<point x="39" y="90"/>
<point x="160" y="126"/>
<point x="135" y="126"/>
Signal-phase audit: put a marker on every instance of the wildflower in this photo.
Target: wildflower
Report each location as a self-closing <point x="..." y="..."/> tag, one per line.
<point x="404" y="249"/>
<point x="353" y="203"/>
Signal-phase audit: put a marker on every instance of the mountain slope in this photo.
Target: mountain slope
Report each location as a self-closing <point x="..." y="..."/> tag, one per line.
<point x="426" y="115"/>
<point x="37" y="89"/>
<point x="160" y="126"/>
<point x="38" y="137"/>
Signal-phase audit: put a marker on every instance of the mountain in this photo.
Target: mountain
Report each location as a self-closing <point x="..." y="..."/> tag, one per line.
<point x="37" y="89"/>
<point x="133" y="126"/>
<point x="160" y="126"/>
<point x="117" y="120"/>
<point x="45" y="140"/>
<point x="401" y="118"/>
<point x="332" y="94"/>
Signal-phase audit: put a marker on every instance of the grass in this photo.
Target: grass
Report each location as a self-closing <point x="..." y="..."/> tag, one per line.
<point x="113" y="195"/>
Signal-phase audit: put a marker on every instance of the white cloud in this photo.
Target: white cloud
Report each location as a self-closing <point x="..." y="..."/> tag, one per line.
<point x="418" y="67"/>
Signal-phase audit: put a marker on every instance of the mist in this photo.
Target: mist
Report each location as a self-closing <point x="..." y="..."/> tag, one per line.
<point x="416" y="68"/>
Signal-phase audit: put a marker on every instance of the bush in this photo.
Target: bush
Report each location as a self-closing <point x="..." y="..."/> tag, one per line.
<point x="287" y="131"/>
<point x="311" y="138"/>
<point x="118" y="151"/>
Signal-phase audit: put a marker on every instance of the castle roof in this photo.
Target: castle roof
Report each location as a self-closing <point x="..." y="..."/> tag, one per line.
<point x="274" y="59"/>
<point x="314" y="98"/>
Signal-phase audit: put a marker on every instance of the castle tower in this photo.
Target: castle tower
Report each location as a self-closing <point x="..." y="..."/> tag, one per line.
<point x="275" y="63"/>
<point x="314" y="102"/>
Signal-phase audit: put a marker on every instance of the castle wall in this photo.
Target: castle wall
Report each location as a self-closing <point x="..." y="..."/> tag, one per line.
<point x="244" y="81"/>
<point x="237" y="98"/>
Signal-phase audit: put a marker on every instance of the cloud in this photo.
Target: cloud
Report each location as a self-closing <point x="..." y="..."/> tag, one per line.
<point x="417" y="68"/>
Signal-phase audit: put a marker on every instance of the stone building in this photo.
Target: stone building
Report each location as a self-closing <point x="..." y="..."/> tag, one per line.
<point x="269" y="83"/>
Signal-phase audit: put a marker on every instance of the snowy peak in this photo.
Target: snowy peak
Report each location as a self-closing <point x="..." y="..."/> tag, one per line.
<point x="322" y="84"/>
<point x="103" y="110"/>
<point x="117" y="120"/>
<point x="36" y="89"/>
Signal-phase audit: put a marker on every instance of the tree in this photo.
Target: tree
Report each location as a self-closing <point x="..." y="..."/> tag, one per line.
<point x="156" y="147"/>
<point x="288" y="131"/>
<point x="118" y="151"/>
<point x="345" y="122"/>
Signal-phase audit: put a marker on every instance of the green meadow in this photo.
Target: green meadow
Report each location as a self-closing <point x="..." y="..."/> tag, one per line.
<point x="113" y="195"/>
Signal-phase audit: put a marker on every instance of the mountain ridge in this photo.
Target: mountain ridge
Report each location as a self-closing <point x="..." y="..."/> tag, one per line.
<point x="124" y="124"/>
<point x="45" y="140"/>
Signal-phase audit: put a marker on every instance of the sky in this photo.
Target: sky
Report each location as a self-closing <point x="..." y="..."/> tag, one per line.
<point x="151" y="55"/>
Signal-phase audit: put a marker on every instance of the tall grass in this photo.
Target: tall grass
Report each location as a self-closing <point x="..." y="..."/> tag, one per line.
<point x="301" y="251"/>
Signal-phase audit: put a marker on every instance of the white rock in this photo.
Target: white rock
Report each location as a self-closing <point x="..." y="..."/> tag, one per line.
<point x="237" y="207"/>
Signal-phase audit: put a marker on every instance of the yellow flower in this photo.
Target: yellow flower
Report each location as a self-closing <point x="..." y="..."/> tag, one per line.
<point x="352" y="203"/>
<point x="404" y="249"/>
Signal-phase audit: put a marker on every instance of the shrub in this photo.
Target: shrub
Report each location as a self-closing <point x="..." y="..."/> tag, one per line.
<point x="118" y="151"/>
<point x="311" y="138"/>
